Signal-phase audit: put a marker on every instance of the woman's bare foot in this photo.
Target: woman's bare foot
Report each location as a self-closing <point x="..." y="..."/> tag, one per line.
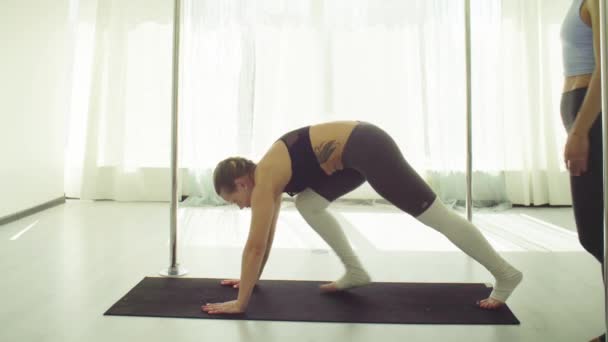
<point x="351" y="279"/>
<point x="331" y="287"/>
<point x="337" y="286"/>
<point x="490" y="304"/>
<point x="505" y="285"/>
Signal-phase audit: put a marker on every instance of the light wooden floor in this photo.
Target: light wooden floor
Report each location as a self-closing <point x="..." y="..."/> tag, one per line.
<point x="62" y="268"/>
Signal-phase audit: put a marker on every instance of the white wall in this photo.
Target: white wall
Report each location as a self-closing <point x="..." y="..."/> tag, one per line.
<point x="35" y="61"/>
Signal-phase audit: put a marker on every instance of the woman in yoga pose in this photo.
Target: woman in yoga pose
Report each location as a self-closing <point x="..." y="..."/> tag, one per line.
<point x="320" y="163"/>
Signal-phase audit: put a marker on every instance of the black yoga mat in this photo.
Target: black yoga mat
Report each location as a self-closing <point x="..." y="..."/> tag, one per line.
<point x="283" y="300"/>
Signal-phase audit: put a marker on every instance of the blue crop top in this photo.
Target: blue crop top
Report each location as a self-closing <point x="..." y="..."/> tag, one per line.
<point x="577" y="43"/>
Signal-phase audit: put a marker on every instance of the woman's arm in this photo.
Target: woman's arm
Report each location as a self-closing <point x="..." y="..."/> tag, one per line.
<point x="262" y="211"/>
<point x="273" y="227"/>
<point x="577" y="147"/>
<point x="271" y="176"/>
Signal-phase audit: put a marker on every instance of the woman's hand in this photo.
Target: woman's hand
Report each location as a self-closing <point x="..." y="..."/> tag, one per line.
<point x="231" y="307"/>
<point x="231" y="282"/>
<point x="576" y="153"/>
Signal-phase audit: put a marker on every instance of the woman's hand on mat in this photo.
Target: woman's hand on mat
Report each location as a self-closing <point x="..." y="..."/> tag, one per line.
<point x="231" y="282"/>
<point x="231" y="307"/>
<point x="576" y="153"/>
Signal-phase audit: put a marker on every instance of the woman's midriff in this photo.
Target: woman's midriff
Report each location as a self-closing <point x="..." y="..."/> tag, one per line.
<point x="576" y="82"/>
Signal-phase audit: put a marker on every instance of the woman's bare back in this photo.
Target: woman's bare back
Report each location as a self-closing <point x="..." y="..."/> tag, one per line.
<point x="328" y="140"/>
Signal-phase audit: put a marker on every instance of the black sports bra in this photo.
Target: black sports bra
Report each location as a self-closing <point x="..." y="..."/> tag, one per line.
<point x="305" y="168"/>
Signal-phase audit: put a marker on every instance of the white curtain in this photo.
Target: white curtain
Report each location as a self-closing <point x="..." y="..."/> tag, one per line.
<point x="251" y="70"/>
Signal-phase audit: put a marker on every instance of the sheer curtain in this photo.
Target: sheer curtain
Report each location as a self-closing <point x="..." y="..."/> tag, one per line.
<point x="252" y="70"/>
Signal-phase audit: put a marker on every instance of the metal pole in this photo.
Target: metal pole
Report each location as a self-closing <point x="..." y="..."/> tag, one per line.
<point x="469" y="177"/>
<point x="174" y="270"/>
<point x="604" y="68"/>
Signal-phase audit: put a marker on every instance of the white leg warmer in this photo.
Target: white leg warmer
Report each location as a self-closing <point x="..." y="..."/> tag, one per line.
<point x="470" y="240"/>
<point x="313" y="207"/>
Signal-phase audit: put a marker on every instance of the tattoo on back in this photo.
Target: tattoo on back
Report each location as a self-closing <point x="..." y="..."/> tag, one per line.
<point x="325" y="150"/>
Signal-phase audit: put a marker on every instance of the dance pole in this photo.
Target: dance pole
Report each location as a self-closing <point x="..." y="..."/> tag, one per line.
<point x="469" y="177"/>
<point x="174" y="270"/>
<point x="604" y="67"/>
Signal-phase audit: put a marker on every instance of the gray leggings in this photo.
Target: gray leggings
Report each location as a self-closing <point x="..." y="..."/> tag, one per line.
<point x="370" y="154"/>
<point x="587" y="191"/>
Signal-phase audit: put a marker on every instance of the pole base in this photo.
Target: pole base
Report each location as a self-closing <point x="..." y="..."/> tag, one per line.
<point x="174" y="271"/>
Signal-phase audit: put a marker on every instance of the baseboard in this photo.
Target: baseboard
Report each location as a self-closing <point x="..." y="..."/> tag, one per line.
<point x="31" y="211"/>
